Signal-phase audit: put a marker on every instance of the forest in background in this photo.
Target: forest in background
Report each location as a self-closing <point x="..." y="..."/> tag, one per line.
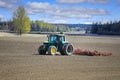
<point x="109" y="28"/>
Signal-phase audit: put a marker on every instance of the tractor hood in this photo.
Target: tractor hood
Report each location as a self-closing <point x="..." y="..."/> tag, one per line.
<point x="45" y="42"/>
<point x="48" y="42"/>
<point x="65" y="42"/>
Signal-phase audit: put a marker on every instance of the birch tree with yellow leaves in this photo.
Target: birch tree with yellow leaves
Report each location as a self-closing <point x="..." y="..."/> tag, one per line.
<point x="21" y="21"/>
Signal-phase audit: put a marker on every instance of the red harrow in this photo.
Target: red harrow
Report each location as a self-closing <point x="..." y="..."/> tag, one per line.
<point x="91" y="53"/>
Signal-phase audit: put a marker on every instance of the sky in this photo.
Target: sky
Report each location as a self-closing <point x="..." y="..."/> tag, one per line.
<point x="64" y="11"/>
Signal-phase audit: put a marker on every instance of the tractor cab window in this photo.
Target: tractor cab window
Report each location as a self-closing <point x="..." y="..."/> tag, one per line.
<point x="62" y="38"/>
<point x="52" y="38"/>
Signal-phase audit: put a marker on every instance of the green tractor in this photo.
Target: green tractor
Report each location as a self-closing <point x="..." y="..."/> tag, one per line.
<point x="56" y="43"/>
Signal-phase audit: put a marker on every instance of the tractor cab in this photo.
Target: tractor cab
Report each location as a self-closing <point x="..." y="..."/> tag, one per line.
<point x="56" y="38"/>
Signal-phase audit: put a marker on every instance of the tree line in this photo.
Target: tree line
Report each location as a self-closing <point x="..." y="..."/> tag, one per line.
<point x="46" y="27"/>
<point x="109" y="28"/>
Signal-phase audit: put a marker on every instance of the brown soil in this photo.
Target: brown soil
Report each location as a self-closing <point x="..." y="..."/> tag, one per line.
<point x="19" y="60"/>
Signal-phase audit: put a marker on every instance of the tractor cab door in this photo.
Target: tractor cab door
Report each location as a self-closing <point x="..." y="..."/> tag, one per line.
<point x="61" y="40"/>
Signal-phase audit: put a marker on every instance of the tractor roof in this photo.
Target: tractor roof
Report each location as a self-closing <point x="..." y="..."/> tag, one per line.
<point x="57" y="35"/>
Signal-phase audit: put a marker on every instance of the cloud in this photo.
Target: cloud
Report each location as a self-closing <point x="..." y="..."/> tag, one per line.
<point x="88" y="22"/>
<point x="59" y="21"/>
<point x="56" y="21"/>
<point x="55" y="11"/>
<point x="8" y="4"/>
<point x="83" y="1"/>
<point x="1" y="16"/>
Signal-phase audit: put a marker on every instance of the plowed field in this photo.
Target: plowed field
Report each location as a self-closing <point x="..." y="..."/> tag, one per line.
<point x="19" y="60"/>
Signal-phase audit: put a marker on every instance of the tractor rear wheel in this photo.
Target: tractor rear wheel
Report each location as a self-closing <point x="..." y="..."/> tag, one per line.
<point x="67" y="49"/>
<point x="42" y="50"/>
<point x="52" y="50"/>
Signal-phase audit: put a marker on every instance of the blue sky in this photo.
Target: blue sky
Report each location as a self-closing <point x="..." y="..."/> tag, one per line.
<point x="64" y="11"/>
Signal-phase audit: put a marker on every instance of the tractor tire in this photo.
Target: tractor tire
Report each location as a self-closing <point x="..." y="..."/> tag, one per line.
<point x="67" y="49"/>
<point x="52" y="50"/>
<point x="42" y="50"/>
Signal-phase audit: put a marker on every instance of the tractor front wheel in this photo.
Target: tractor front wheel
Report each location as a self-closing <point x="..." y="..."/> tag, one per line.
<point x="52" y="50"/>
<point x="42" y="50"/>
